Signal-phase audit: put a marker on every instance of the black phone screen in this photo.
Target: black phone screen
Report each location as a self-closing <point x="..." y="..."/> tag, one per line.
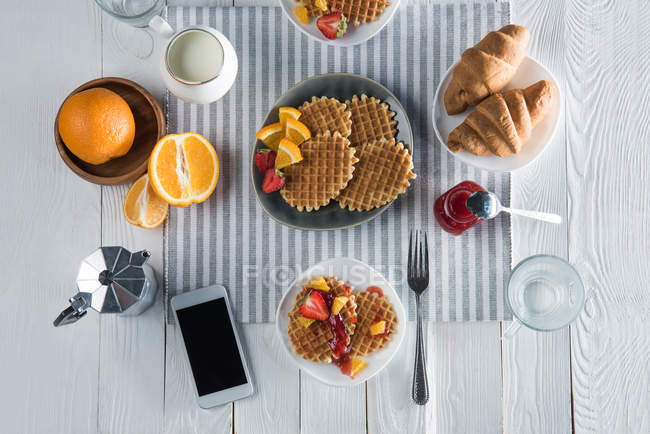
<point x="211" y="346"/>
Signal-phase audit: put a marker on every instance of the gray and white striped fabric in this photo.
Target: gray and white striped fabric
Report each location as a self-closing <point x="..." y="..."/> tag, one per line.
<point x="229" y="239"/>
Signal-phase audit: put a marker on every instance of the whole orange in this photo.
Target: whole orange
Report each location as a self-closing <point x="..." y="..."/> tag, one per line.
<point x="96" y="125"/>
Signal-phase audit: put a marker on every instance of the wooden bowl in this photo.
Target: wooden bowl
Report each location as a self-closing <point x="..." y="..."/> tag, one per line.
<point x="149" y="128"/>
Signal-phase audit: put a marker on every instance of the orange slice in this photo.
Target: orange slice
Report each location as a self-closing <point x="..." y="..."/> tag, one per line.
<point x="296" y="131"/>
<point x="285" y="113"/>
<point x="271" y="135"/>
<point x="301" y="14"/>
<point x="288" y="154"/>
<point x="142" y="206"/>
<point x="183" y="168"/>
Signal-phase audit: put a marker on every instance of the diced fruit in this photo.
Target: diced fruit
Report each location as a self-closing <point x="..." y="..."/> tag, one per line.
<point x="288" y="154"/>
<point x="301" y="14"/>
<point x="265" y="159"/>
<point x="314" y="307"/>
<point x="273" y="181"/>
<point x="319" y="283"/>
<point x="321" y="4"/>
<point x="296" y="131"/>
<point x="285" y="113"/>
<point x="356" y="366"/>
<point x="271" y="135"/>
<point x="378" y="328"/>
<point x="142" y="206"/>
<point x="377" y="290"/>
<point x="306" y="322"/>
<point x="183" y="169"/>
<point x="338" y="304"/>
<point x="347" y="289"/>
<point x="332" y="25"/>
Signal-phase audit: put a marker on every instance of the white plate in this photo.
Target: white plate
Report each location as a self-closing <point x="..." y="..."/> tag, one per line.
<point x="355" y="34"/>
<point x="529" y="72"/>
<point x="360" y="276"/>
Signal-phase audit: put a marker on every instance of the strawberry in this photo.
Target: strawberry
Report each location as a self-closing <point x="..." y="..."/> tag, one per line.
<point x="377" y="290"/>
<point x="314" y="307"/>
<point x="265" y="159"/>
<point x="273" y="180"/>
<point x="332" y="25"/>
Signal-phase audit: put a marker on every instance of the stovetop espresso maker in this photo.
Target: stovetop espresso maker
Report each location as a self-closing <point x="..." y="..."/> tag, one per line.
<point x="112" y="280"/>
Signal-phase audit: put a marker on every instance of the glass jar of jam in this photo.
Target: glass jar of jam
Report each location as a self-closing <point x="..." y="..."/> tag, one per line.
<point x="451" y="211"/>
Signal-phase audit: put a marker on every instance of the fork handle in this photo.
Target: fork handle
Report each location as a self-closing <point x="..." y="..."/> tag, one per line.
<point x="420" y="392"/>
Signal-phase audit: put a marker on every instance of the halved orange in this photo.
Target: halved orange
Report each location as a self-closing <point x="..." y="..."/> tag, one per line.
<point x="183" y="168"/>
<point x="288" y="154"/>
<point x="271" y="135"/>
<point x="142" y="206"/>
<point x="296" y="131"/>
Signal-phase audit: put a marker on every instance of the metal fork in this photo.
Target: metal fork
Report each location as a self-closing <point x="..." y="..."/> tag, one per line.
<point x="418" y="280"/>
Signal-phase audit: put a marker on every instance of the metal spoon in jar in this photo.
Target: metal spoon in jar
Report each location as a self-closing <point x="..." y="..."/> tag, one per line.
<point x="486" y="205"/>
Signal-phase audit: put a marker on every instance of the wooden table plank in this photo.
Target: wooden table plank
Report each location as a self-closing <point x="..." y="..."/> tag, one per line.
<point x="50" y="221"/>
<point x="608" y="126"/>
<point x="536" y="366"/>
<point x="275" y="406"/>
<point x="132" y="355"/>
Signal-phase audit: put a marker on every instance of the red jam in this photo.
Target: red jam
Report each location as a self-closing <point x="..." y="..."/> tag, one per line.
<point x="377" y="290"/>
<point x="340" y="342"/>
<point x="451" y="211"/>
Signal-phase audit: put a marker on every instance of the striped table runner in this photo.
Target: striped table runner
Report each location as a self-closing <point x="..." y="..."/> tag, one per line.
<point x="229" y="239"/>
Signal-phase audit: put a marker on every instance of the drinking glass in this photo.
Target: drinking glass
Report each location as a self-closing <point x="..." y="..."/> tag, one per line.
<point x="137" y="13"/>
<point x="544" y="293"/>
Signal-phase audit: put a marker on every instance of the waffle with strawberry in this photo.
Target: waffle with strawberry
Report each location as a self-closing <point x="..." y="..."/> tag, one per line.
<point x="309" y="328"/>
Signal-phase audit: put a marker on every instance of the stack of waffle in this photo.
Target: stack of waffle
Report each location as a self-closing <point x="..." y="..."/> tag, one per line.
<point x="356" y="11"/>
<point x="361" y="311"/>
<point x="352" y="157"/>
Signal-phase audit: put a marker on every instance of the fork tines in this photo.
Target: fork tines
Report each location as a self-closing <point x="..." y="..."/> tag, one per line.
<point x="418" y="261"/>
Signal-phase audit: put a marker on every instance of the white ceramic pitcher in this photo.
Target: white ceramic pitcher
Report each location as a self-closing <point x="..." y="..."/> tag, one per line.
<point x="207" y="89"/>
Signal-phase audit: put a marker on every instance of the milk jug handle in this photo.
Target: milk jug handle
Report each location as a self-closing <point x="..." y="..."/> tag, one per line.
<point x="161" y="27"/>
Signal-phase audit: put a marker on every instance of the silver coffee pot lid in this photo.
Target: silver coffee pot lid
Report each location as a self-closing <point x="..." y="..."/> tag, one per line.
<point x="110" y="280"/>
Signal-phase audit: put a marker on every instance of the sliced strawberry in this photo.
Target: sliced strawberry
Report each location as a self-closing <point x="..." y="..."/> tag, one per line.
<point x="332" y="25"/>
<point x="273" y="181"/>
<point x="265" y="159"/>
<point x="377" y="290"/>
<point x="314" y="307"/>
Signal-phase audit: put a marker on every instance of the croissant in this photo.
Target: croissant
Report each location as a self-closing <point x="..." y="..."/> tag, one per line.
<point x="486" y="68"/>
<point x="502" y="123"/>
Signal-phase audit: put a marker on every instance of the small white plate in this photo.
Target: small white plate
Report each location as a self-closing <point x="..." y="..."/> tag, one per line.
<point x="529" y="72"/>
<point x="355" y="34"/>
<point x="359" y="276"/>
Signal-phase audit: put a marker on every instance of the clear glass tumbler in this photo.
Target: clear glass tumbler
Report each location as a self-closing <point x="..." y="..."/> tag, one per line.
<point x="137" y="13"/>
<point x="544" y="293"/>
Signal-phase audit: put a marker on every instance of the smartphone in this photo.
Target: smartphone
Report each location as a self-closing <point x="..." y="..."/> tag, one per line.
<point x="212" y="346"/>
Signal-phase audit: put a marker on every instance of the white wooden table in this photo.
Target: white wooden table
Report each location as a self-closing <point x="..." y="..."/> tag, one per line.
<point x="128" y="375"/>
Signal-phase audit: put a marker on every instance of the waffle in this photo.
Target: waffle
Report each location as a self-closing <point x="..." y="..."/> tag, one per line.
<point x="311" y="343"/>
<point x="371" y="120"/>
<point x="326" y="168"/>
<point x="312" y="9"/>
<point x="359" y="11"/>
<point x="326" y="114"/>
<point x="382" y="173"/>
<point x="370" y="309"/>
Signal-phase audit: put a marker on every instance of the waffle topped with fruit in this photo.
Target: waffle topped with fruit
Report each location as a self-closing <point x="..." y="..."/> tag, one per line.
<point x="324" y="323"/>
<point x="333" y="16"/>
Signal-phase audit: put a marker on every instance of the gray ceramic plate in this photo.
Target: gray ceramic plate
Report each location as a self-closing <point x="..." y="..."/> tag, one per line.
<point x="341" y="86"/>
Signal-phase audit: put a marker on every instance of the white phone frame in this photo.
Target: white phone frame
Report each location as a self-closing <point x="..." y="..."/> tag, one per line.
<point x="200" y="296"/>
